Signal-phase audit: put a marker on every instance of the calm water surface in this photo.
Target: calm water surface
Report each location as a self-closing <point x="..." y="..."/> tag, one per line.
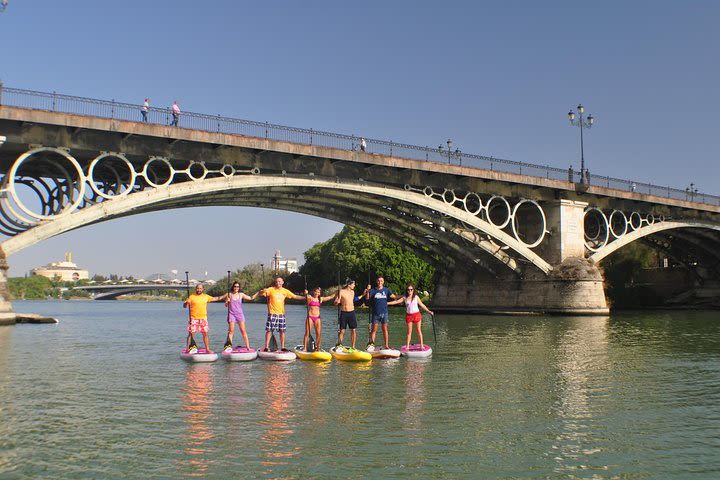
<point x="103" y="394"/>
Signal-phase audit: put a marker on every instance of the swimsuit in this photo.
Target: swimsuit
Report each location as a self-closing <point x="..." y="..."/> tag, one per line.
<point x="313" y="303"/>
<point x="235" y="312"/>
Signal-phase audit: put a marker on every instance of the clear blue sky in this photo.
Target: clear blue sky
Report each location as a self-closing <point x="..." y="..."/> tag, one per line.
<point x="498" y="78"/>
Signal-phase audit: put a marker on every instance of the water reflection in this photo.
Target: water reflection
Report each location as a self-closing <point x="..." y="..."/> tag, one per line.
<point x="197" y="406"/>
<point x="276" y="444"/>
<point x="582" y="362"/>
<point x="415" y="396"/>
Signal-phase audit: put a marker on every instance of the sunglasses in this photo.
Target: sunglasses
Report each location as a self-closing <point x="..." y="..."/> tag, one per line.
<point x="410" y="289"/>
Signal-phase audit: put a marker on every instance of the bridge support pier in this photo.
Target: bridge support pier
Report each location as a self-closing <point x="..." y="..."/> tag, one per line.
<point x="7" y="316"/>
<point x="574" y="287"/>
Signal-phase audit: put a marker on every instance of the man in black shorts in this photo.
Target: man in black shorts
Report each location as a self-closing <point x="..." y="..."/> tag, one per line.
<point x="346" y="299"/>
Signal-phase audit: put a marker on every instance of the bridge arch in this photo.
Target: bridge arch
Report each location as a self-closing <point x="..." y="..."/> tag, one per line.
<point x="429" y="221"/>
<point x="683" y="227"/>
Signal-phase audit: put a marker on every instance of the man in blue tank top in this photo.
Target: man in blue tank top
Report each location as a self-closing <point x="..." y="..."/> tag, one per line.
<point x="378" y="297"/>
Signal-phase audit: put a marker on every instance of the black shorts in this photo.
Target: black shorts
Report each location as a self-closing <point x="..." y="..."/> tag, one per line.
<point x="348" y="320"/>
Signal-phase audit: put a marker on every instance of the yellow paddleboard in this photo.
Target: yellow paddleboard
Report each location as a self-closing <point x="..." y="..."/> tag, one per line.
<point x="321" y="356"/>
<point x="351" y="355"/>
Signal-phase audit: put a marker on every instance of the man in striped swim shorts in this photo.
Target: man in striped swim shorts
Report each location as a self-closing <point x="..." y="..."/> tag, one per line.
<point x="276" y="296"/>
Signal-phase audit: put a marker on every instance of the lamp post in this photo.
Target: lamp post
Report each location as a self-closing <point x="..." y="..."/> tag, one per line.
<point x="690" y="192"/>
<point x="457" y="153"/>
<point x="3" y="5"/>
<point x="581" y="123"/>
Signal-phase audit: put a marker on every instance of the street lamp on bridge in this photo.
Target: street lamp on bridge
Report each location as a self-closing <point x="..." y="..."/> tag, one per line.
<point x="690" y="192"/>
<point x="457" y="153"/>
<point x="581" y="123"/>
<point x="3" y="5"/>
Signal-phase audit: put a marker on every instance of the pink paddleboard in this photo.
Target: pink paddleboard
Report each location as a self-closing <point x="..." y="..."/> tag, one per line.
<point x="416" y="351"/>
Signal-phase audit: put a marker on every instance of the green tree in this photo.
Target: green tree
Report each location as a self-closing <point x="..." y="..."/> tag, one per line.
<point x="355" y="253"/>
<point x="33" y="287"/>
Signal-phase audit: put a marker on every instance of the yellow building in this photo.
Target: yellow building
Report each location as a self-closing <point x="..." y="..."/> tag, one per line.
<point x="66" y="271"/>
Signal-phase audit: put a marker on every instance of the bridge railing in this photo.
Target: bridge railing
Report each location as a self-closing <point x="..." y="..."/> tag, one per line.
<point x="216" y="123"/>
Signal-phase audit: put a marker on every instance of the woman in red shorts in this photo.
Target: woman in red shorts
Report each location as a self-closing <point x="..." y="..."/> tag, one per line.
<point x="412" y="312"/>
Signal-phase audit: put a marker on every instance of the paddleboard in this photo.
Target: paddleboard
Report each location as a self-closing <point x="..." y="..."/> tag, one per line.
<point x="202" y="355"/>
<point x="321" y="356"/>
<point x="240" y="354"/>
<point x="416" y="351"/>
<point x="276" y="355"/>
<point x="378" y="352"/>
<point x="350" y="355"/>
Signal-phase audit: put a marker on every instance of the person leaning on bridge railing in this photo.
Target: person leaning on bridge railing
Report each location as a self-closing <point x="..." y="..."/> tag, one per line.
<point x="175" y="114"/>
<point x="145" y="109"/>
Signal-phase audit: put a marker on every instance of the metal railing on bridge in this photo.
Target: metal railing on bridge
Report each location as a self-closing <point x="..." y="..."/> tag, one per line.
<point x="112" y="109"/>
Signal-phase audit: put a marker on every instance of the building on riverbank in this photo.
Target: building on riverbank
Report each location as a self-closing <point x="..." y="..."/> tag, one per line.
<point x="65" y="271"/>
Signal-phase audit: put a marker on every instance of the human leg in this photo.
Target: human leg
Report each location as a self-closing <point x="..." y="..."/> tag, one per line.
<point x="409" y="334"/>
<point x="352" y="337"/>
<point x="386" y="335"/>
<point x="373" y="331"/>
<point x="318" y="334"/>
<point x="418" y="325"/>
<point x="307" y="333"/>
<point x="244" y="334"/>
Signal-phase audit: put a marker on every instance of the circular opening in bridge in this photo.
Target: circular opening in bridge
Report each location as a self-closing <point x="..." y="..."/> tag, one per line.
<point x="618" y="223"/>
<point x="597" y="231"/>
<point x="635" y="220"/>
<point x="111" y="175"/>
<point x="528" y="223"/>
<point x="60" y="179"/>
<point x="255" y="171"/>
<point x="158" y="172"/>
<point x="33" y="194"/>
<point x="448" y="196"/>
<point x="197" y="171"/>
<point x="428" y="191"/>
<point x="498" y="211"/>
<point x="227" y="170"/>
<point x="650" y="218"/>
<point x="473" y="203"/>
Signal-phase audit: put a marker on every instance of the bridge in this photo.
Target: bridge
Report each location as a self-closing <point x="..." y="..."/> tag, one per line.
<point x="503" y="235"/>
<point x="112" y="291"/>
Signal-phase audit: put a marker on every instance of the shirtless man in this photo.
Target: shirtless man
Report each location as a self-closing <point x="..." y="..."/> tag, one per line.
<point x="346" y="299"/>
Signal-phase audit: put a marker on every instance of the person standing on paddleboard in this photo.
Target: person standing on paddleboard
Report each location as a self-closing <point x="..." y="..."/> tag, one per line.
<point x="314" y="301"/>
<point x="378" y="297"/>
<point x="198" y="313"/>
<point x="346" y="299"/>
<point x="233" y="302"/>
<point x="276" y="296"/>
<point x="412" y="313"/>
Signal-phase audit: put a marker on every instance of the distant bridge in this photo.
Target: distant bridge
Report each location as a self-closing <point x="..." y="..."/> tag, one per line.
<point x="503" y="235"/>
<point x="111" y="292"/>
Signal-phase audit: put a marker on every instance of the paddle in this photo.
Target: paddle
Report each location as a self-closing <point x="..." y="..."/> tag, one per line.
<point x="432" y="317"/>
<point x="273" y="343"/>
<point x="370" y="309"/>
<point x="192" y="343"/>
<point x="338" y="276"/>
<point x="228" y="342"/>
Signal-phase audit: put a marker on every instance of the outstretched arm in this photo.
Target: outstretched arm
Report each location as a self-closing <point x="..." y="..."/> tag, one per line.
<point x="325" y="299"/>
<point x="397" y="301"/>
<point x="422" y="305"/>
<point x="247" y="297"/>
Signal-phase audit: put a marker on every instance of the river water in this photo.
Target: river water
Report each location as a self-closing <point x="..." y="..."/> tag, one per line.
<point x="103" y="394"/>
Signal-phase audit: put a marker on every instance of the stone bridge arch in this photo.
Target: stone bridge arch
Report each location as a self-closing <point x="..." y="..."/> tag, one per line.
<point x="427" y="221"/>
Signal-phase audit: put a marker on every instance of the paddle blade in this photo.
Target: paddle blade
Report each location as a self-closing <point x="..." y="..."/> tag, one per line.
<point x="192" y="342"/>
<point x="273" y="343"/>
<point x="228" y="343"/>
<point x="311" y="343"/>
